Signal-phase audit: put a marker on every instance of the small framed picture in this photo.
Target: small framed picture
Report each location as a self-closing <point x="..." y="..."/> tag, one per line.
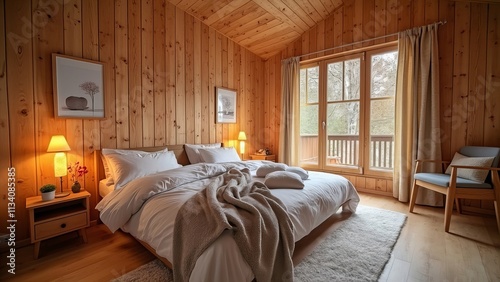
<point x="225" y="107"/>
<point x="78" y="87"/>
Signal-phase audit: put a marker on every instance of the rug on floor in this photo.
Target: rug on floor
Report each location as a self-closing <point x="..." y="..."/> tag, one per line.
<point x="357" y="250"/>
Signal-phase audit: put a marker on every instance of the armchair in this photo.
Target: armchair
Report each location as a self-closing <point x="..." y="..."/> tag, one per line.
<point x="473" y="174"/>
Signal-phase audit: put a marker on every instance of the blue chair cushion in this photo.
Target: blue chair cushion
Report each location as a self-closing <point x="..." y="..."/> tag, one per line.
<point x="444" y="181"/>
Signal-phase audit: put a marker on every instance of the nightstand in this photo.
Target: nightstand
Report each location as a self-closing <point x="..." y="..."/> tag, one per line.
<point x="56" y="217"/>
<point x="264" y="157"/>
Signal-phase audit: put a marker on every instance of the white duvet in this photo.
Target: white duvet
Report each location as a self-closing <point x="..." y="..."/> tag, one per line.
<point x="147" y="207"/>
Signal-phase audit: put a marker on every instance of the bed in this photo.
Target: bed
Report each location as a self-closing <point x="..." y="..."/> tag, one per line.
<point x="149" y="216"/>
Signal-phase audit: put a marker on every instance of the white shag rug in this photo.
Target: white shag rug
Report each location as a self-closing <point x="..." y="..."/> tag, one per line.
<point x="357" y="250"/>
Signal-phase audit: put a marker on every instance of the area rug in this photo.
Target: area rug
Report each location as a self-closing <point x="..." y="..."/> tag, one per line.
<point x="357" y="250"/>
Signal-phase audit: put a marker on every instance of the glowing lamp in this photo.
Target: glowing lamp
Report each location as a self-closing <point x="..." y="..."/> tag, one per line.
<point x="242" y="137"/>
<point x="59" y="146"/>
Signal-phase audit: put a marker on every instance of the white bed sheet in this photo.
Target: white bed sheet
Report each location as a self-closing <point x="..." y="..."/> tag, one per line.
<point x="322" y="196"/>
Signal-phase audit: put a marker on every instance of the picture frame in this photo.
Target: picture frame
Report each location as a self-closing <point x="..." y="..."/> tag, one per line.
<point x="78" y="86"/>
<point x="225" y="105"/>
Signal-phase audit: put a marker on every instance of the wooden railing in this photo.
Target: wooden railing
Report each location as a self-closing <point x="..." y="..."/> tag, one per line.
<point x="344" y="149"/>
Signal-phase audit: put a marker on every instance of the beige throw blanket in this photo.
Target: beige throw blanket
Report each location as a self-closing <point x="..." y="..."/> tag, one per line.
<point x="259" y="223"/>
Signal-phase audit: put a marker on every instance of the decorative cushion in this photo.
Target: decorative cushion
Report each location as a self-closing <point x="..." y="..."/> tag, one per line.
<point x="478" y="175"/>
<point x="127" y="167"/>
<point x="219" y="155"/>
<point x="300" y="171"/>
<point x="193" y="153"/>
<point x="443" y="180"/>
<point x="283" y="179"/>
<point x="263" y="170"/>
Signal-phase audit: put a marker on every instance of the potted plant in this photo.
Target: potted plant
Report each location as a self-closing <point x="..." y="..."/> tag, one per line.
<point x="48" y="192"/>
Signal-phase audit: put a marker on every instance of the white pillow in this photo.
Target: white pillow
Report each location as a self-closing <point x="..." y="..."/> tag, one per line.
<point x="219" y="155"/>
<point x="264" y="170"/>
<point x="284" y="179"/>
<point x="298" y="170"/>
<point x="193" y="153"/>
<point x="127" y="167"/>
<point x="478" y="175"/>
<point x="105" y="152"/>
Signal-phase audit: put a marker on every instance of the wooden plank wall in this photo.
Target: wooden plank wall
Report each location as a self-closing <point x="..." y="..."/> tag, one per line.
<point x="469" y="69"/>
<point x="162" y="67"/>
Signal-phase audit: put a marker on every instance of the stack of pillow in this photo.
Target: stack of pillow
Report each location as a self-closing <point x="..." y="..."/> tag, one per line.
<point x="278" y="175"/>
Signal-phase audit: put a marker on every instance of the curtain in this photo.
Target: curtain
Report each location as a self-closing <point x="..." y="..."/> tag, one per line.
<point x="417" y="132"/>
<point x="288" y="151"/>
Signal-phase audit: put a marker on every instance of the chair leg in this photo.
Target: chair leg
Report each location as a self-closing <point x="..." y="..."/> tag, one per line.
<point x="448" y="209"/>
<point x="413" y="195"/>
<point x="457" y="204"/>
<point x="497" y="213"/>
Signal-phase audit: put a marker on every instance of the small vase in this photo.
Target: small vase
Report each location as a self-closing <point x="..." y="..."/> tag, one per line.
<point x="75" y="188"/>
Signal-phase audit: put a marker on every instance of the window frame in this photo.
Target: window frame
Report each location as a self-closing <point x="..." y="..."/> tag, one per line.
<point x="366" y="165"/>
<point x="365" y="55"/>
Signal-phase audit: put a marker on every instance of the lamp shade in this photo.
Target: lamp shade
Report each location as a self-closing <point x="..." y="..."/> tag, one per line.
<point x="58" y="144"/>
<point x="242" y="136"/>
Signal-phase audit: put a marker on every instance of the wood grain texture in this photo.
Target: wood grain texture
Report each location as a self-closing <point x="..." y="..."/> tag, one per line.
<point x="45" y="123"/>
<point x="468" y="52"/>
<point x="99" y="36"/>
<point x="5" y="161"/>
<point x="160" y="72"/>
<point x="477" y="74"/>
<point x="492" y="120"/>
<point x="460" y="75"/>
<point x="446" y="39"/>
<point x="153" y="52"/>
<point x="147" y="66"/>
<point x="21" y="111"/>
<point x="72" y="46"/>
<point x="121" y="74"/>
<point x="107" y="56"/>
<point x="91" y="132"/>
<point x="134" y="74"/>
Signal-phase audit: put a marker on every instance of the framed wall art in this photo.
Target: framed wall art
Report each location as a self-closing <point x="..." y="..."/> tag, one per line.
<point x="225" y="105"/>
<point x="78" y="87"/>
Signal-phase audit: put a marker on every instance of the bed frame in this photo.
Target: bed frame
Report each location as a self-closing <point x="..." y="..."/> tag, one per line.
<point x="182" y="159"/>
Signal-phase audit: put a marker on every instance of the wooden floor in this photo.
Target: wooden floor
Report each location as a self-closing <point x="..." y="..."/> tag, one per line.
<point x="424" y="252"/>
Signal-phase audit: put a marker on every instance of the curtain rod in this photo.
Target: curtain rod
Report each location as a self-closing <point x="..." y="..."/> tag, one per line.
<point x="359" y="42"/>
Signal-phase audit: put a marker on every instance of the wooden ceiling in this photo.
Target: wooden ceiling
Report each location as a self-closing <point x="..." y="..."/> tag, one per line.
<point x="264" y="27"/>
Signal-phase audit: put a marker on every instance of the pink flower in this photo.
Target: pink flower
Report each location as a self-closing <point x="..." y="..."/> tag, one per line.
<point x="76" y="171"/>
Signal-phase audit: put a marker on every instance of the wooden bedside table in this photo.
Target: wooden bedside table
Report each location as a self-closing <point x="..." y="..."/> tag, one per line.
<point x="56" y="217"/>
<point x="263" y="157"/>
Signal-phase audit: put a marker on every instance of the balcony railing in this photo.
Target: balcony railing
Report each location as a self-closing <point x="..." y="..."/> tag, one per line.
<point x="344" y="149"/>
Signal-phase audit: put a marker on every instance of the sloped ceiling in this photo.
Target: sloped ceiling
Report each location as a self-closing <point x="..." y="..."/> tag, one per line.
<point x="264" y="27"/>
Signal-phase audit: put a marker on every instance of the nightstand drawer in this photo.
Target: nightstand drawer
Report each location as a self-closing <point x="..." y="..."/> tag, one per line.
<point x="60" y="226"/>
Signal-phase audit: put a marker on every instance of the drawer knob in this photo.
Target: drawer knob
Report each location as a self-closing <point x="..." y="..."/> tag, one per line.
<point x="63" y="225"/>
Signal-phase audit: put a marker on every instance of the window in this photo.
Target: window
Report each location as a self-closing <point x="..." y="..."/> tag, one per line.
<point x="347" y="112"/>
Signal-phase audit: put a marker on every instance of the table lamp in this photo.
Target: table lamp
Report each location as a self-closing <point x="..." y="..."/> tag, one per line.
<point x="59" y="145"/>
<point x="242" y="137"/>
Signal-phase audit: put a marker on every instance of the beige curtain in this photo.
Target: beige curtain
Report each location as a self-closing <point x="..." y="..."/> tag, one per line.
<point x="417" y="134"/>
<point x="289" y="105"/>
